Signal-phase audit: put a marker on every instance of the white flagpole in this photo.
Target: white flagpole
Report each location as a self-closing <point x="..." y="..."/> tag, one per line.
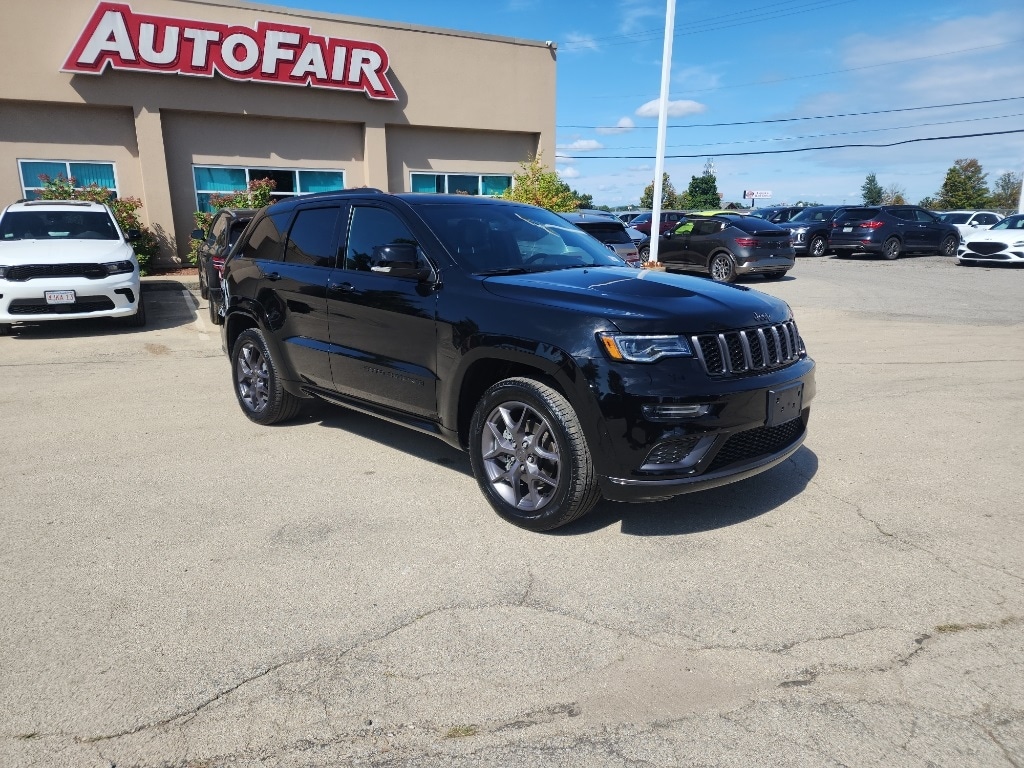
<point x="659" y="162"/>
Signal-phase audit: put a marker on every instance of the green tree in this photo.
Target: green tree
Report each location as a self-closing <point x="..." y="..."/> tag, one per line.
<point x="1006" y="191"/>
<point x="871" y="191"/>
<point x="125" y="210"/>
<point x="702" y="194"/>
<point x="964" y="186"/>
<point x="583" y="200"/>
<point x="668" y="194"/>
<point x="928" y="202"/>
<point x="894" y="194"/>
<point x="537" y="185"/>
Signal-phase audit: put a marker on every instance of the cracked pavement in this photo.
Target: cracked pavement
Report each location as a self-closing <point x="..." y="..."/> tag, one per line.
<point x="184" y="589"/>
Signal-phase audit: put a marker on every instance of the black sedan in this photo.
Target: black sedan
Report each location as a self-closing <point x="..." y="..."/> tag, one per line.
<point x="725" y="247"/>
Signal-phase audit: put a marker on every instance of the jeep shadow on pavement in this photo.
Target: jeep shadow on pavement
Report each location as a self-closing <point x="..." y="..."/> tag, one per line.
<point x="510" y="334"/>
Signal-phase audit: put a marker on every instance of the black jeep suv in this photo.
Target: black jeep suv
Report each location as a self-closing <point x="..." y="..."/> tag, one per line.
<point x="508" y="332"/>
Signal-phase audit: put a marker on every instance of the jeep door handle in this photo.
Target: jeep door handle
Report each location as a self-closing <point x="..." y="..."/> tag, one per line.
<point x="346" y="287"/>
<point x="273" y="276"/>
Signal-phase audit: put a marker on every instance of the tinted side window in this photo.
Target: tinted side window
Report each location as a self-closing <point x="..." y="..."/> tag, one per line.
<point x="217" y="229"/>
<point x="369" y="229"/>
<point x="986" y="218"/>
<point x="924" y="216"/>
<point x="312" y="237"/>
<point x="266" y="241"/>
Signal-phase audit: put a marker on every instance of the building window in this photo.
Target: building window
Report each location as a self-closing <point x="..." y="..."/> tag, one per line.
<point x="84" y="174"/>
<point x="460" y="183"/>
<point x="223" y="180"/>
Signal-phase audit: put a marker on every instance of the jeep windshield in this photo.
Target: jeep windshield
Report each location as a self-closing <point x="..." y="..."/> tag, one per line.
<point x="57" y="225"/>
<point x="512" y="239"/>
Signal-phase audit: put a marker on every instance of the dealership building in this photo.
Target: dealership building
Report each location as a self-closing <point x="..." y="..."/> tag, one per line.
<point x="172" y="101"/>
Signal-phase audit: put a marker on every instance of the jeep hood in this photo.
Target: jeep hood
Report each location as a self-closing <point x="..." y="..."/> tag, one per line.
<point x="644" y="300"/>
<point x="50" y="251"/>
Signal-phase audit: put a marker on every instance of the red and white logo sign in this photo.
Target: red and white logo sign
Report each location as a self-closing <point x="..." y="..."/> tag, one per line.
<point x="271" y="53"/>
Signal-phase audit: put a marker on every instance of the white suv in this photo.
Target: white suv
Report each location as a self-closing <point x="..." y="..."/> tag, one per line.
<point x="63" y="260"/>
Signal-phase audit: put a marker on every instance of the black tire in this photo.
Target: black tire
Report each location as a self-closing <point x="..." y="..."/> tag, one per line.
<point x="960" y="262"/>
<point x="213" y="308"/>
<point x="5" y="329"/>
<point x="645" y="253"/>
<point x="817" y="246"/>
<point x="891" y="248"/>
<point x="138" y="320"/>
<point x="949" y="246"/>
<point x="721" y="268"/>
<point x="530" y="456"/>
<point x="257" y="387"/>
<point x="204" y="287"/>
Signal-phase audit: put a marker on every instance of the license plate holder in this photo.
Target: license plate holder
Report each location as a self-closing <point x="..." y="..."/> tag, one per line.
<point x="847" y="229"/>
<point x="59" y="297"/>
<point x="785" y="404"/>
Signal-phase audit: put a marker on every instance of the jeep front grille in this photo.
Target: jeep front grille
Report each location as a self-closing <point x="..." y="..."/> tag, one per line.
<point x="751" y="351"/>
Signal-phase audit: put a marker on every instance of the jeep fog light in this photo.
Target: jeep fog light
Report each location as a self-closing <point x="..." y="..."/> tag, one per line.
<point x="675" y="412"/>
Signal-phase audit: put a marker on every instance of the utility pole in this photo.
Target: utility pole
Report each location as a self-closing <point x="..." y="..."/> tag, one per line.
<point x="659" y="162"/>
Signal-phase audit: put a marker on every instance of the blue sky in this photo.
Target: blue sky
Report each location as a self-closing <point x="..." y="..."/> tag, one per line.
<point x="796" y="63"/>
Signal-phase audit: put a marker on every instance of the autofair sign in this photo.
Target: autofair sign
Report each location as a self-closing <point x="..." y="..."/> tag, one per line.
<point x="750" y="194"/>
<point x="117" y="37"/>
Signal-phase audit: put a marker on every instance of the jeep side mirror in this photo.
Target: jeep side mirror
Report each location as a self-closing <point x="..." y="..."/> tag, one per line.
<point x="197" y="234"/>
<point x="399" y="260"/>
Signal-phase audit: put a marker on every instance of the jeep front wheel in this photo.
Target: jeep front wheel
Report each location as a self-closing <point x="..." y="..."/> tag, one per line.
<point x="530" y="457"/>
<point x="257" y="385"/>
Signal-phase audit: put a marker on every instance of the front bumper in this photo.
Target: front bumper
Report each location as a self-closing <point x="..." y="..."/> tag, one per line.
<point x="742" y="432"/>
<point x="1007" y="255"/>
<point x="25" y="301"/>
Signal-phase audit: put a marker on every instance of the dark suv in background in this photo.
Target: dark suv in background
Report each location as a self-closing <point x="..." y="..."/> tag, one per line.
<point x="724" y="247"/>
<point x="809" y="229"/>
<point x="498" y="328"/>
<point x="777" y="214"/>
<point x="891" y="230"/>
<point x="226" y="226"/>
<point x="669" y="221"/>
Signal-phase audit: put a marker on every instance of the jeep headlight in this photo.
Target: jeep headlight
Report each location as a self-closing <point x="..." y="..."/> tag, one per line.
<point x="643" y="348"/>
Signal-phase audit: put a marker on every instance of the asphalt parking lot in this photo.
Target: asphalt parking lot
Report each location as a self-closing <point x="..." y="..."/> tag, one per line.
<point x="182" y="588"/>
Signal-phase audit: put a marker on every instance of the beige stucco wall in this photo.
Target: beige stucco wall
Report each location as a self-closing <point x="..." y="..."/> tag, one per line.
<point x="466" y="102"/>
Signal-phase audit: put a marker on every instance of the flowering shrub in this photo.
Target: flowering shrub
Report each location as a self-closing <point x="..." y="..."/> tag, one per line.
<point x="256" y="196"/>
<point x="125" y="211"/>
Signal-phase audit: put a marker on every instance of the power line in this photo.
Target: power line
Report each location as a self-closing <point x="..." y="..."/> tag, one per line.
<point x="704" y="26"/>
<point x="788" y="151"/>
<point x="839" y="133"/>
<point x="808" y="117"/>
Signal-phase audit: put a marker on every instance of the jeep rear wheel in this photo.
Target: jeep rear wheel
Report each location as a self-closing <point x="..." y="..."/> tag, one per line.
<point x="530" y="457"/>
<point x="257" y="385"/>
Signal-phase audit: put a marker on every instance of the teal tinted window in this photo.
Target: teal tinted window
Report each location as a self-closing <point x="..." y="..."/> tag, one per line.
<point x="495" y="185"/>
<point x="31" y="171"/>
<point x="87" y="174"/>
<point x="428" y="182"/>
<point x="321" y="181"/>
<point x="220" y="179"/>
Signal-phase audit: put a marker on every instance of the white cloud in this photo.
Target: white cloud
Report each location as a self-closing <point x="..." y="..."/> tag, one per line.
<point x="582" y="145"/>
<point x="576" y="42"/>
<point x="625" y="125"/>
<point x="568" y="172"/>
<point x="675" y="108"/>
<point x="641" y="14"/>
